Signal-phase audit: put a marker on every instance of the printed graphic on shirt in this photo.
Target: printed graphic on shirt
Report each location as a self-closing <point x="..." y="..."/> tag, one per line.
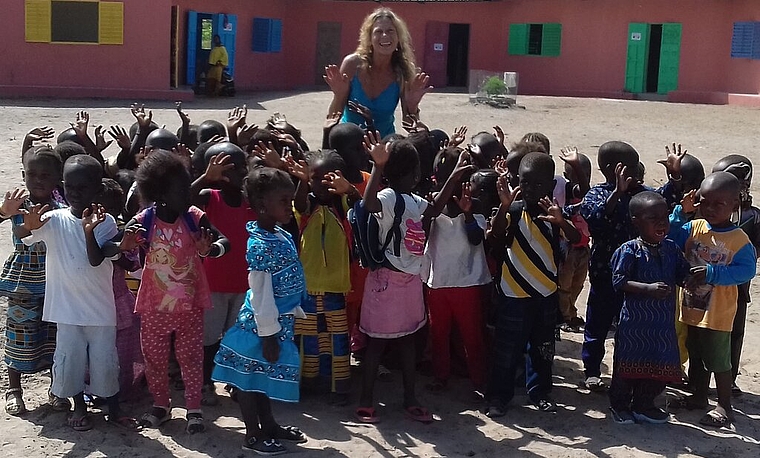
<point x="699" y="254"/>
<point x="172" y="273"/>
<point x="414" y="239"/>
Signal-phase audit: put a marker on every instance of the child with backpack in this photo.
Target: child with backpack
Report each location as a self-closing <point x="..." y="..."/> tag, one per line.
<point x="393" y="308"/>
<point x="174" y="291"/>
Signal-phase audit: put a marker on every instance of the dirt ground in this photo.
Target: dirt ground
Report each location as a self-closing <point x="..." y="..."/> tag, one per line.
<point x="580" y="428"/>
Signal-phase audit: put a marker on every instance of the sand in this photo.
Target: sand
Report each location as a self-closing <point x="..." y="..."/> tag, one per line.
<point x="580" y="428"/>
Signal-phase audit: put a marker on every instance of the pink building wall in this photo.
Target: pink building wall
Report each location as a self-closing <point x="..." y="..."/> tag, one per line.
<point x="591" y="63"/>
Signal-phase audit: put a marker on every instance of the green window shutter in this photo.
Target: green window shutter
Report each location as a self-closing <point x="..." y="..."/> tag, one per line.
<point x="637" y="58"/>
<point x="551" y="40"/>
<point x="518" y="39"/>
<point x="670" y="56"/>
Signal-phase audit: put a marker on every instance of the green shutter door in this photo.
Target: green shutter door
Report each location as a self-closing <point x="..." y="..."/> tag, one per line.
<point x="518" y="39"/>
<point x="638" y="53"/>
<point x="670" y="55"/>
<point x="551" y="40"/>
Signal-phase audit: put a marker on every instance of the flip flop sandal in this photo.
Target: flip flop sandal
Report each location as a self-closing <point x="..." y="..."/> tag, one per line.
<point x="58" y="404"/>
<point x="126" y="423"/>
<point x="383" y="374"/>
<point x="79" y="424"/>
<point x="495" y="411"/>
<point x="151" y="420"/>
<point x="595" y="384"/>
<point x="366" y="415"/>
<point x="14" y="402"/>
<point x="715" y="419"/>
<point x="419" y="414"/>
<point x="290" y="434"/>
<point x="195" y="423"/>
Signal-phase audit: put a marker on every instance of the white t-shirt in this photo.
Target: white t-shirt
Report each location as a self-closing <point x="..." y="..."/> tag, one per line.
<point x="560" y="187"/>
<point x="76" y="293"/>
<point x="413" y="243"/>
<point x="451" y="261"/>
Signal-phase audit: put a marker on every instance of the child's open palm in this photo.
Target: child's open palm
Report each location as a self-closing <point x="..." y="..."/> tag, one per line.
<point x="120" y="135"/>
<point x="236" y="118"/>
<point x="33" y="217"/>
<point x="269" y="155"/>
<point x="143" y="119"/>
<point x="465" y="201"/>
<point x="507" y="194"/>
<point x="92" y="217"/>
<point x="672" y="161"/>
<point x="40" y="133"/>
<point x="689" y="202"/>
<point x="336" y="183"/>
<point x="458" y="137"/>
<point x="216" y="168"/>
<point x="298" y="169"/>
<point x="332" y="120"/>
<point x="13" y="202"/>
<point x="204" y="242"/>
<point x="81" y="123"/>
<point x="570" y="156"/>
<point x="376" y="150"/>
<point x="463" y="166"/>
<point x="100" y="139"/>
<point x="499" y="134"/>
<point x="553" y="211"/>
<point x="246" y="134"/>
<point x="623" y="182"/>
<point x="182" y="115"/>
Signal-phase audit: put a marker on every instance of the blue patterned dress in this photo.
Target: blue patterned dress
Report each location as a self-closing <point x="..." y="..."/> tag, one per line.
<point x="646" y="346"/>
<point x="240" y="361"/>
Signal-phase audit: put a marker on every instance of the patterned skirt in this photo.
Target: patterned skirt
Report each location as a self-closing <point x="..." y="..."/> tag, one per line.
<point x="240" y="361"/>
<point x="29" y="341"/>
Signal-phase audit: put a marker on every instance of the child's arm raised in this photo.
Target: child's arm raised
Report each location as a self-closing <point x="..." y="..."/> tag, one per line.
<point x="214" y="174"/>
<point x="211" y="243"/>
<point x="12" y="204"/>
<point x="554" y="216"/>
<point x="496" y="236"/>
<point x="122" y="140"/>
<point x="622" y="184"/>
<point x="32" y="221"/>
<point x="474" y="231"/>
<point x="98" y="250"/>
<point x="572" y="157"/>
<point x="379" y="154"/>
<point x="36" y="135"/>
<point x="236" y="120"/>
<point x="332" y="120"/>
<point x="444" y="196"/>
<point x="300" y="171"/>
<point x="184" y="130"/>
<point x="80" y="127"/>
<point x="143" y="125"/>
<point x="337" y="184"/>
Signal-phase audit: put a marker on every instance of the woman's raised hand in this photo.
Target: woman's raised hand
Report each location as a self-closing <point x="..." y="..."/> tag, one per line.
<point x="415" y="89"/>
<point x="338" y="82"/>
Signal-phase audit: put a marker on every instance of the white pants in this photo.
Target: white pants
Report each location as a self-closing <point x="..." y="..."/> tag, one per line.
<point x="80" y="347"/>
<point x="222" y="316"/>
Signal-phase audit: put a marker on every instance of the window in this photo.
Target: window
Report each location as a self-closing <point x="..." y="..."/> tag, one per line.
<point x="66" y="21"/>
<point x="267" y="35"/>
<point x="535" y="39"/>
<point x="207" y="33"/>
<point x="745" y="42"/>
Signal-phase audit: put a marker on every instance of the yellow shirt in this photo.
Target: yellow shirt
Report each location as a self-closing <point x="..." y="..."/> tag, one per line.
<point x="218" y="53"/>
<point x="324" y="252"/>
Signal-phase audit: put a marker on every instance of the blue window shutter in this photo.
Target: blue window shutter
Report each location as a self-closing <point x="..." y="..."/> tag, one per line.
<point x="756" y="40"/>
<point x="192" y="38"/>
<point x="261" y="34"/>
<point x="275" y="35"/>
<point x="742" y="40"/>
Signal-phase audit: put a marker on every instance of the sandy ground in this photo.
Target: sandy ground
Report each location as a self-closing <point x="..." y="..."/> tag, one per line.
<point x="580" y="428"/>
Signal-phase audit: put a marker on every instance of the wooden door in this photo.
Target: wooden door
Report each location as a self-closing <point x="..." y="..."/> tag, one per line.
<point x="328" y="48"/>
<point x="436" y="55"/>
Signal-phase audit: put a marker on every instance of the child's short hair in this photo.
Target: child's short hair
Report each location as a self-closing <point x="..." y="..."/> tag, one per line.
<point x="524" y="148"/>
<point x="403" y="161"/>
<point x="125" y="178"/>
<point x="693" y="170"/>
<point x="43" y="152"/>
<point x="426" y="151"/>
<point x="192" y="133"/>
<point x="133" y="129"/>
<point x="614" y="152"/>
<point x="161" y="139"/>
<point x="538" y="163"/>
<point x="111" y="196"/>
<point x="265" y="136"/>
<point x="537" y="137"/>
<point x="208" y="129"/>
<point x="490" y="147"/>
<point x="67" y="149"/>
<point x="158" y="169"/>
<point x="723" y="182"/>
<point x="329" y="159"/>
<point x="237" y="155"/>
<point x="198" y="159"/>
<point x="742" y="169"/>
<point x="69" y="135"/>
<point x="438" y="137"/>
<point x="642" y="201"/>
<point x="263" y="180"/>
<point x="90" y="164"/>
<point x="444" y="163"/>
<point x="346" y="136"/>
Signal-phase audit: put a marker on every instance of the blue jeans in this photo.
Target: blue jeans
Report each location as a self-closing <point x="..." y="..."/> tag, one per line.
<point x="604" y="304"/>
<point x="519" y="323"/>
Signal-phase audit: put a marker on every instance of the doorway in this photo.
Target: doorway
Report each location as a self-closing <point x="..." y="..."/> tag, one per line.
<point x="328" y="48"/>
<point x="174" y="49"/>
<point x="201" y="28"/>
<point x="653" y="58"/>
<point x="457" y="58"/>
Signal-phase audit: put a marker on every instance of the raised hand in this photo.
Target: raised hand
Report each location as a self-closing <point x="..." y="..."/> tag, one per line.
<point x="332" y="120"/>
<point x="298" y="169"/>
<point x="362" y="111"/>
<point x="278" y="121"/>
<point x="288" y="141"/>
<point x="463" y="165"/>
<point x="376" y="150"/>
<point x="270" y="156"/>
<point x="501" y="166"/>
<point x="465" y="201"/>
<point x="133" y="238"/>
<point x="143" y="119"/>
<point x="81" y="123"/>
<point x="184" y="153"/>
<point x="415" y="89"/>
<point x="336" y="183"/>
<point x="204" y="241"/>
<point x="570" y="156"/>
<point x="40" y="133"/>
<point x="100" y="139"/>
<point x="553" y="211"/>
<point x="672" y="161"/>
<point x="216" y="168"/>
<point x="458" y="137"/>
<point x="507" y="194"/>
<point x="216" y="139"/>
<point x="689" y="202"/>
<point x="12" y="203"/>
<point x="338" y="82"/>
<point x="499" y="134"/>
<point x="120" y="135"/>
<point x="93" y="216"/>
<point x="182" y="115"/>
<point x="236" y="118"/>
<point x="246" y="134"/>
<point x="623" y="182"/>
<point x="33" y="217"/>
<point x="411" y="123"/>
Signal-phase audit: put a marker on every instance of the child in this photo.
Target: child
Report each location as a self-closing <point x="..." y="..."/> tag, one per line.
<point x="173" y="291"/>
<point x="646" y="270"/>
<point x="227" y="209"/>
<point x="393" y="308"/>
<point x="29" y="341"/>
<point x="527" y="309"/>
<point x="749" y="222"/>
<point x="455" y="271"/>
<point x="722" y="257"/>
<point x="131" y="366"/>
<point x="258" y="355"/>
<point x="84" y="311"/>
<point x="605" y="209"/>
<point x="574" y="267"/>
<point x="322" y="337"/>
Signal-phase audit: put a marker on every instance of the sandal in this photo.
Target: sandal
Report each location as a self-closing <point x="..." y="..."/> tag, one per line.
<point x="383" y="374"/>
<point x="715" y="419"/>
<point x="419" y="414"/>
<point x="366" y="415"/>
<point x="127" y="423"/>
<point x="545" y="404"/>
<point x="82" y="423"/>
<point x="14" y="402"/>
<point x="58" y="404"/>
<point x="195" y="423"/>
<point x="290" y="434"/>
<point x="266" y="447"/>
<point x="495" y="411"/>
<point x="155" y="418"/>
<point x="595" y="384"/>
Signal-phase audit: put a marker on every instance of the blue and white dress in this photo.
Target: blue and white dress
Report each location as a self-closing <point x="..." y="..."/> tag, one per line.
<point x="271" y="305"/>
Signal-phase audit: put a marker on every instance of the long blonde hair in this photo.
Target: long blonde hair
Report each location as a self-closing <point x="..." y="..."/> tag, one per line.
<point x="403" y="56"/>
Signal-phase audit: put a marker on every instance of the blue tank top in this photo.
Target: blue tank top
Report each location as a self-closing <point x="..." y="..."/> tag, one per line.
<point x="383" y="106"/>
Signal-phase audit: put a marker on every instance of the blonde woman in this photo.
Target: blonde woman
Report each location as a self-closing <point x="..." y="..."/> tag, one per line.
<point x="378" y="74"/>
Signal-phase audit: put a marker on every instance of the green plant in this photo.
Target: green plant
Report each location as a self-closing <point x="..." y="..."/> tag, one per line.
<point x="494" y="86"/>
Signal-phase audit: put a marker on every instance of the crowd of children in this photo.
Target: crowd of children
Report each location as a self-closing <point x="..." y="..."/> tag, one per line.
<point x="246" y="246"/>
